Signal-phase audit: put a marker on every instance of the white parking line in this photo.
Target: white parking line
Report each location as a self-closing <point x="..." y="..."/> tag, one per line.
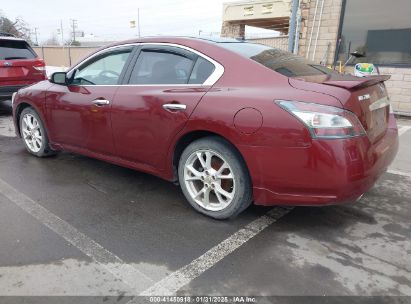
<point x="128" y="274"/>
<point x="403" y="129"/>
<point x="172" y="283"/>
<point x="396" y="172"/>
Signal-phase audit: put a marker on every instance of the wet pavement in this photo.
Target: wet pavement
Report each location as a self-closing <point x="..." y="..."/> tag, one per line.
<point x="71" y="225"/>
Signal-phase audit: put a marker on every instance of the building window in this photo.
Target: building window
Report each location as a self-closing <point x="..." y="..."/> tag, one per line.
<point x="379" y="29"/>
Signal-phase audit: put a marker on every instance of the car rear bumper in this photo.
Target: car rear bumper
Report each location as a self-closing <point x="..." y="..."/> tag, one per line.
<point x="328" y="172"/>
<point x="6" y="92"/>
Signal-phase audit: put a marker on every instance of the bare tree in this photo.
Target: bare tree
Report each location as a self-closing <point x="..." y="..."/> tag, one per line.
<point x="17" y="27"/>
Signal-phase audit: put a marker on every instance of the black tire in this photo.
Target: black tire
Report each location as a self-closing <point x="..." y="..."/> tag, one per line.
<point x="44" y="149"/>
<point x="242" y="196"/>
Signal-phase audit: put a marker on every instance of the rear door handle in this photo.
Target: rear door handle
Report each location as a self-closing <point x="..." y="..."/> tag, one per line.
<point x="101" y="102"/>
<point x="174" y="107"/>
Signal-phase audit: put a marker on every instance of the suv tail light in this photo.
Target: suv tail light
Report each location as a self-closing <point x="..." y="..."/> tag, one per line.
<point x="40" y="65"/>
<point x="40" y="68"/>
<point x="325" y="122"/>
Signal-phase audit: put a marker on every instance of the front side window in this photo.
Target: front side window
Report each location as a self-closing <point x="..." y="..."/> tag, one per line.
<point x="161" y="67"/>
<point x="282" y="62"/>
<point x="102" y="70"/>
<point x="378" y="29"/>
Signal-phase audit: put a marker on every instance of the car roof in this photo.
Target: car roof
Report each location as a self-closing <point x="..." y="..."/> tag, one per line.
<point x="210" y="46"/>
<point x="178" y="40"/>
<point x="11" y="38"/>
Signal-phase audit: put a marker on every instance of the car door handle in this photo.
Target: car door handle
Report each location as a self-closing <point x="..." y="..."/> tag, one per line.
<point x="101" y="102"/>
<point x="174" y="107"/>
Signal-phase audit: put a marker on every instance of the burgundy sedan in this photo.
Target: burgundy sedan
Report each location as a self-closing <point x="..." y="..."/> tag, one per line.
<point x="233" y="122"/>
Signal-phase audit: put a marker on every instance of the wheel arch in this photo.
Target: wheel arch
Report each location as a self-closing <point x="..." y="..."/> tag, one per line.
<point x="27" y="104"/>
<point x="190" y="137"/>
<point x="19" y="109"/>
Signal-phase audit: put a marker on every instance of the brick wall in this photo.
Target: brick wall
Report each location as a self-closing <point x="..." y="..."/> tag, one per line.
<point x="232" y="30"/>
<point x="399" y="88"/>
<point x="322" y="49"/>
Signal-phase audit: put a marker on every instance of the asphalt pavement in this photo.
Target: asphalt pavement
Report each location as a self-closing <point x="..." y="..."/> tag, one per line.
<point x="75" y="226"/>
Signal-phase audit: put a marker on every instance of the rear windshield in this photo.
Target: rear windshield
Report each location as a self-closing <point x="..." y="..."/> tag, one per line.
<point x="282" y="62"/>
<point x="11" y="49"/>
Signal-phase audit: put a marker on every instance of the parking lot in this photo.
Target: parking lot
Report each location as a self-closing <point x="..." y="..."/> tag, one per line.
<point x="71" y="225"/>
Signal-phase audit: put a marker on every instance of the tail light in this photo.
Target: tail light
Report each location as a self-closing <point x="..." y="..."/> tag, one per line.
<point x="40" y="68"/>
<point x="39" y="65"/>
<point x="325" y="122"/>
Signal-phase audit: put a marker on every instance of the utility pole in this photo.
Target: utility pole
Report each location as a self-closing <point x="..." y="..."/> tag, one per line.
<point x="293" y="25"/>
<point x="61" y="32"/>
<point x="73" y="27"/>
<point x="35" y="35"/>
<point x="133" y="23"/>
<point x="138" y="22"/>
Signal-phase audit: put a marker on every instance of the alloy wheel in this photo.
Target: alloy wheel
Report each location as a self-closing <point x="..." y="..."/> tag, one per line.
<point x="31" y="132"/>
<point x="209" y="180"/>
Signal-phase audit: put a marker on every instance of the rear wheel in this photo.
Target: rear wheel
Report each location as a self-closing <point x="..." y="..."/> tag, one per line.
<point x="34" y="133"/>
<point x="214" y="178"/>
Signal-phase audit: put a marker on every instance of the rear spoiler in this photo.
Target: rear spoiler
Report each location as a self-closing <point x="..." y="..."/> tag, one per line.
<point x="358" y="82"/>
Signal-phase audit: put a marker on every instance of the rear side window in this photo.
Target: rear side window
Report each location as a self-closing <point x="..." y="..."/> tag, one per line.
<point x="161" y="67"/>
<point x="201" y="71"/>
<point x="15" y="49"/>
<point x="277" y="60"/>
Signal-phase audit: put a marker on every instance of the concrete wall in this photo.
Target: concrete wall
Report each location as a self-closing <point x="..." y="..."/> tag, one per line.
<point x="255" y="9"/>
<point x="59" y="56"/>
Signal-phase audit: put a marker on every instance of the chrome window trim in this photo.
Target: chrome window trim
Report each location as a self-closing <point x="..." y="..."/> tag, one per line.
<point x="210" y="81"/>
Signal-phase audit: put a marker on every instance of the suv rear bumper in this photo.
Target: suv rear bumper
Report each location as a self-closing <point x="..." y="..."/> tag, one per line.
<point x="7" y="91"/>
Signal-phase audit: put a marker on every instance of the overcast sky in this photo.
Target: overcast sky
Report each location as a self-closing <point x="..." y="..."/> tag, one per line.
<point x="109" y="19"/>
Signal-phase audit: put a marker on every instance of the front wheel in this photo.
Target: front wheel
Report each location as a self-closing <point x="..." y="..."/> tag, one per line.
<point x="214" y="178"/>
<point x="34" y="133"/>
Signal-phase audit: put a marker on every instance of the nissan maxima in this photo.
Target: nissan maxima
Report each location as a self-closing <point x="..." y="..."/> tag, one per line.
<point x="232" y="122"/>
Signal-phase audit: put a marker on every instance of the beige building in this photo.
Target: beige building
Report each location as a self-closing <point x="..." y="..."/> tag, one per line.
<point x="327" y="31"/>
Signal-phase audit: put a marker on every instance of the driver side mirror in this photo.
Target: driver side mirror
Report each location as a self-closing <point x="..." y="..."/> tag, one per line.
<point x="59" y="78"/>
